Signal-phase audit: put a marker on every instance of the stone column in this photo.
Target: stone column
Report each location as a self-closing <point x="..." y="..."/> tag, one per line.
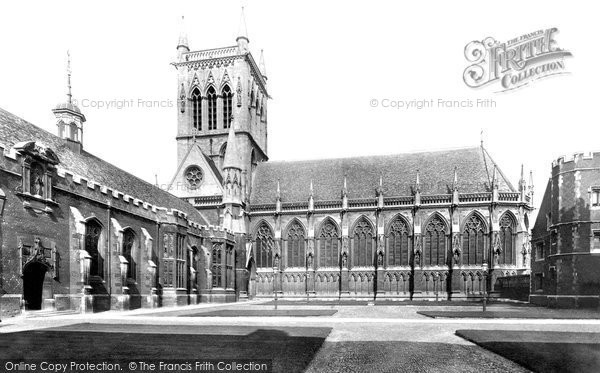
<point x="345" y="272"/>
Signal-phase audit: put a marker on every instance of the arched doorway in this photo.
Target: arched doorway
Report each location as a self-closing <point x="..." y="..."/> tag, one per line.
<point x="33" y="284"/>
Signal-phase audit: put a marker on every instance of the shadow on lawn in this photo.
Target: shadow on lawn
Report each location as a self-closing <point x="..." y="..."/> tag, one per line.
<point x="541" y="351"/>
<point x="288" y="353"/>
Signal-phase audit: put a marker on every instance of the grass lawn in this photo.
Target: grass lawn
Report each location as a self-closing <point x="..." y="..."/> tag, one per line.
<point x="542" y="351"/>
<point x="290" y="349"/>
<point x="533" y="313"/>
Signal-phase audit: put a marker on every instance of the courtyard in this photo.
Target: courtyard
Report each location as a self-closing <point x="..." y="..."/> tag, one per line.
<point x="318" y="336"/>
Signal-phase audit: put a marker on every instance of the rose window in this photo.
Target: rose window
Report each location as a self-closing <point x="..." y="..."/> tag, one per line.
<point x="193" y="175"/>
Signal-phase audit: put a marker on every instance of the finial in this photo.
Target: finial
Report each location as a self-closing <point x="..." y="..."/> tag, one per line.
<point x="243" y="30"/>
<point x="495" y="178"/>
<point x="481" y="137"/>
<point x="183" y="40"/>
<point x="278" y="190"/>
<point x="418" y="181"/>
<point x="69" y="95"/>
<point x="311" y="188"/>
<point x="455" y="181"/>
<point x="531" y="180"/>
<point x="261" y="65"/>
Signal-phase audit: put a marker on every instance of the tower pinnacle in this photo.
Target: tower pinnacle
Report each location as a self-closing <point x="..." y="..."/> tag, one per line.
<point x="242" y="38"/>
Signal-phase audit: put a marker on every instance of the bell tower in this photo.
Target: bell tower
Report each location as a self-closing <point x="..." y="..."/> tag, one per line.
<point x="215" y="88"/>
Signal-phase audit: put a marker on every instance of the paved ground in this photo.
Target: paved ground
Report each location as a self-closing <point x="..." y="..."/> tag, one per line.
<point x="356" y="338"/>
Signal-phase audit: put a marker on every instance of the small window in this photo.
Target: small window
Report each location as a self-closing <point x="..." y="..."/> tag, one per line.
<point x="539" y="281"/>
<point x="595" y="197"/>
<point x="539" y="251"/>
<point x="596" y="242"/>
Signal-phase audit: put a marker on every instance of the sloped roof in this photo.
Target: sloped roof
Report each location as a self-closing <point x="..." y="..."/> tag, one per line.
<point x="14" y="130"/>
<point x="436" y="172"/>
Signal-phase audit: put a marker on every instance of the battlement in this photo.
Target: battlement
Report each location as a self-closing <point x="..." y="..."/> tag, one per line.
<point x="574" y="158"/>
<point x="68" y="181"/>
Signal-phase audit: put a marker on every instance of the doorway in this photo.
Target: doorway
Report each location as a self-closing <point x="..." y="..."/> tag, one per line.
<point x="33" y="284"/>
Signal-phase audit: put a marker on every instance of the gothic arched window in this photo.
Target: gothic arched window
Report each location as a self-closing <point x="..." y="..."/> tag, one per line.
<point x="363" y="253"/>
<point x="128" y="248"/>
<point x="473" y="241"/>
<point x="329" y="239"/>
<point x="197" y="110"/>
<point x="398" y="243"/>
<point x="507" y="239"/>
<point x="295" y="245"/>
<point x="211" y="96"/>
<point x="264" y="246"/>
<point x="92" y="240"/>
<point x="227" y="96"/>
<point x="435" y="242"/>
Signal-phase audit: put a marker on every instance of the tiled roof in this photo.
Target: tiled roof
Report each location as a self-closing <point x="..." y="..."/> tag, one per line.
<point x="14" y="130"/>
<point x="436" y="172"/>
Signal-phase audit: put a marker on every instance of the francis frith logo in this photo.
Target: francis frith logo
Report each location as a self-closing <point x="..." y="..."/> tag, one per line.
<point x="514" y="63"/>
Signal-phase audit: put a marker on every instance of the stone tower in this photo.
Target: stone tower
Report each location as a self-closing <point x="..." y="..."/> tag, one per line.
<point x="215" y="88"/>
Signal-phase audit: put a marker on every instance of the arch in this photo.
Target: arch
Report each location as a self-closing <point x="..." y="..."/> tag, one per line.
<point x="328" y="243"/>
<point x="196" y="111"/>
<point x="222" y="151"/>
<point x="432" y="216"/>
<point x="399" y="241"/>
<point x="363" y="242"/>
<point x="362" y="217"/>
<point x="508" y="224"/>
<point x="295" y="242"/>
<point x="435" y="243"/>
<point x="227" y="97"/>
<point x="510" y="215"/>
<point x="34" y="273"/>
<point x="474" y="239"/>
<point x="477" y="213"/>
<point x="129" y="251"/>
<point x="399" y="216"/>
<point x="211" y="98"/>
<point x="253" y="162"/>
<point x="74" y="131"/>
<point x="264" y="245"/>
<point x="93" y="245"/>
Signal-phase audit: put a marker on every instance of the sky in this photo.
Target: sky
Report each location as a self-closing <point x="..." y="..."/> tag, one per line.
<point x="327" y="63"/>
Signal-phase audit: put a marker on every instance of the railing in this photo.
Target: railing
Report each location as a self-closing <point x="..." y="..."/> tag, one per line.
<point x="207" y="201"/>
<point x="294" y="206"/>
<point x="474" y="197"/>
<point x="323" y="205"/>
<point x="436" y="199"/>
<point x="211" y="53"/>
<point x="367" y="202"/>
<point x="511" y="197"/>
<point x="263" y="207"/>
<point x="398" y="201"/>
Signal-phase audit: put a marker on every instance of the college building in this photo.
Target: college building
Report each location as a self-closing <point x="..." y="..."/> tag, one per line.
<point x="565" y="265"/>
<point x="78" y="233"/>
